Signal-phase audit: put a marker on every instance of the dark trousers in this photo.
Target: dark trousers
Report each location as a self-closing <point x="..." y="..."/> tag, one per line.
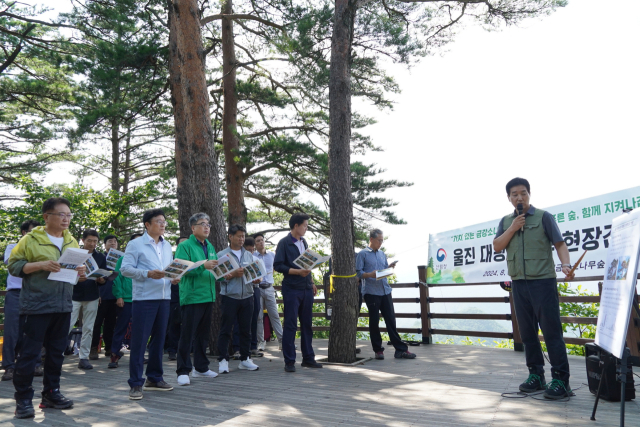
<point x="232" y="310"/>
<point x="173" y="328"/>
<point x="107" y="313"/>
<point x="196" y="324"/>
<point x="12" y="328"/>
<point x="254" y="323"/>
<point x="120" y="330"/>
<point x="383" y="304"/>
<point x="537" y="305"/>
<point x="298" y="304"/>
<point x="41" y="330"/>
<point x="149" y="319"/>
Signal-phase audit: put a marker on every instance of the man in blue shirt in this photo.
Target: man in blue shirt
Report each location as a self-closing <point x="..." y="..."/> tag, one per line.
<point x="144" y="262"/>
<point x="377" y="296"/>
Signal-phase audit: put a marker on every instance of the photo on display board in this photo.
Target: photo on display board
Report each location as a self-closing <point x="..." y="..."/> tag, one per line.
<point x="623" y="266"/>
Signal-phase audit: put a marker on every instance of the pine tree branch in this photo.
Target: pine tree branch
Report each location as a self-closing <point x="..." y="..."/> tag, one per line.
<point x="237" y="16"/>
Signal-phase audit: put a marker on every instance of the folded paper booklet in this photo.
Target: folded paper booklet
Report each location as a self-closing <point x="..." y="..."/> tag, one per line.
<point x="381" y="274"/>
<point x="93" y="272"/>
<point x="226" y="265"/>
<point x="112" y="258"/>
<point x="310" y="260"/>
<point x="179" y="267"/>
<point x="255" y="270"/>
<point x="70" y="259"/>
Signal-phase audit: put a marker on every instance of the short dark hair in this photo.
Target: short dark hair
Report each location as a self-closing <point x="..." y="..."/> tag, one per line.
<point x="135" y="236"/>
<point x="109" y="237"/>
<point x="375" y="233"/>
<point x="235" y="228"/>
<point x="297" y="219"/>
<point x="90" y="232"/>
<point x="180" y="238"/>
<point x="148" y="215"/>
<point x="515" y="182"/>
<point x="255" y="236"/>
<point x="25" y="226"/>
<point x="52" y="202"/>
<point x="249" y="241"/>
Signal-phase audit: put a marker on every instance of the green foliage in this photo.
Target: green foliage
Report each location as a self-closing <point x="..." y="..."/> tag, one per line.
<point x="478" y="341"/>
<point x="569" y="309"/>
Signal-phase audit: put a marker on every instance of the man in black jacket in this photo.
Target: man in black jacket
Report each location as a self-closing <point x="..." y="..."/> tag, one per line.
<point x="85" y="296"/>
<point x="298" y="291"/>
<point x="107" y="308"/>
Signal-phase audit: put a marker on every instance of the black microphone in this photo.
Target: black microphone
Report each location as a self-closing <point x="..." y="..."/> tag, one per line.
<point x="520" y="208"/>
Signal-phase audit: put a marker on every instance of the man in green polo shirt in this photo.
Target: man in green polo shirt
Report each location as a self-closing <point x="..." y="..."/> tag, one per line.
<point x="197" y="294"/>
<point x="528" y="239"/>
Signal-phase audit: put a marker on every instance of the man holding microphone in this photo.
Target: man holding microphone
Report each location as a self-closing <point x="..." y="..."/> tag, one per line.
<point x="528" y="234"/>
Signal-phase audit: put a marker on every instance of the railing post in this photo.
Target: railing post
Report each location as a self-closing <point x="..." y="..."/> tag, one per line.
<point x="517" y="339"/>
<point x="424" y="305"/>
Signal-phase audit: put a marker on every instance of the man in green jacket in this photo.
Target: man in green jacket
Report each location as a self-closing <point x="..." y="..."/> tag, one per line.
<point x="197" y="294"/>
<point x="45" y="306"/>
<point x="122" y="289"/>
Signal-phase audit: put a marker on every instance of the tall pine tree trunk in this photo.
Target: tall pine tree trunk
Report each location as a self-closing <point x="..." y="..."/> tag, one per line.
<point x="233" y="173"/>
<point x="196" y="166"/>
<point x="344" y="318"/>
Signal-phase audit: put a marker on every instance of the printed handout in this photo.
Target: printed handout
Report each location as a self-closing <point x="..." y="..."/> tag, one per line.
<point x="310" y="260"/>
<point x="381" y="274"/>
<point x="226" y="265"/>
<point x="180" y="267"/>
<point x="70" y="259"/>
<point x="92" y="270"/>
<point x="254" y="271"/>
<point x="112" y="258"/>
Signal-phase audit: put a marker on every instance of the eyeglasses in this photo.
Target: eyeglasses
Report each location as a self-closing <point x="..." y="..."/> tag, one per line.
<point x="161" y="222"/>
<point x="61" y="215"/>
<point x="204" y="224"/>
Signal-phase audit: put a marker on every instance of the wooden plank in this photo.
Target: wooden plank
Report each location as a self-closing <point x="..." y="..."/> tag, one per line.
<point x="425" y="308"/>
<point x="503" y="335"/>
<point x="580" y="299"/>
<point x="580" y="320"/>
<point x="570" y="340"/>
<point x="474" y="299"/>
<point x="469" y="316"/>
<point x="366" y="315"/>
<point x="366" y="329"/>
<point x="404" y="285"/>
<point x="517" y="339"/>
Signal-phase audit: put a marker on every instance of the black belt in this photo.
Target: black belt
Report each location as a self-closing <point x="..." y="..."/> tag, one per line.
<point x="267" y="286"/>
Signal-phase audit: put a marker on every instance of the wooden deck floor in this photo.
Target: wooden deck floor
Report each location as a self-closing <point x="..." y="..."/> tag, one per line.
<point x="445" y="385"/>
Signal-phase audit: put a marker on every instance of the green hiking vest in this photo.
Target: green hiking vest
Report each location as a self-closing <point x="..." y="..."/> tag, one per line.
<point x="537" y="261"/>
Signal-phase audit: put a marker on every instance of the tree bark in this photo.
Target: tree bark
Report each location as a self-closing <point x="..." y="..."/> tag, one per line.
<point x="233" y="173"/>
<point x="345" y="297"/>
<point x="196" y="167"/>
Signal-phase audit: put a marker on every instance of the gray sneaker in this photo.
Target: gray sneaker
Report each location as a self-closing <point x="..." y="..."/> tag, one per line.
<point x="84" y="364"/>
<point x="135" y="393"/>
<point x="159" y="386"/>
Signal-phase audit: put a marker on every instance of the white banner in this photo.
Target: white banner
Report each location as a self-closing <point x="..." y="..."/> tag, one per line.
<point x="466" y="255"/>
<point x="619" y="285"/>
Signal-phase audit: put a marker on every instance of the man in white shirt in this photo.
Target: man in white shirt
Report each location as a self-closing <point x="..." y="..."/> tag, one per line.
<point x="267" y="294"/>
<point x="12" y="314"/>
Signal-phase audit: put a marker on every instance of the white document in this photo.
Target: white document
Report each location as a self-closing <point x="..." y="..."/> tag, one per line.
<point x="70" y="259"/>
<point x="226" y="264"/>
<point x="179" y="267"/>
<point x="620" y="273"/>
<point x="112" y="258"/>
<point x="310" y="260"/>
<point x="92" y="270"/>
<point x="381" y="274"/>
<point x="255" y="270"/>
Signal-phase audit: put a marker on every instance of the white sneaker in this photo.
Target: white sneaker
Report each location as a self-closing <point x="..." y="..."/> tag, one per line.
<point x="183" y="380"/>
<point x="223" y="367"/>
<point x="248" y="364"/>
<point x="262" y="345"/>
<point x="208" y="374"/>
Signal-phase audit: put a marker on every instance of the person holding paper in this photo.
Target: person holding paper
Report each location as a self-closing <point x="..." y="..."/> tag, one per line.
<point x="528" y="238"/>
<point x="267" y="294"/>
<point x="237" y="303"/>
<point x="377" y="296"/>
<point x="107" y="309"/>
<point x="250" y="246"/>
<point x="122" y="290"/>
<point x="197" y="295"/>
<point x="175" y="316"/>
<point x="86" y="297"/>
<point x="144" y="261"/>
<point x="298" y="291"/>
<point x="45" y="306"/>
<point x="12" y="333"/>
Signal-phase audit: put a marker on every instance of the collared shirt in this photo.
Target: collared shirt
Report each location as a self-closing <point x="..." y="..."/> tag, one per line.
<point x="549" y="225"/>
<point x="204" y="248"/>
<point x="267" y="259"/>
<point x="299" y="244"/>
<point x="367" y="261"/>
<point x="12" y="281"/>
<point x="157" y="246"/>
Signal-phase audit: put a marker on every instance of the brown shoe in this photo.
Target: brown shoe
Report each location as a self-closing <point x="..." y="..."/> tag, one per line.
<point x="93" y="354"/>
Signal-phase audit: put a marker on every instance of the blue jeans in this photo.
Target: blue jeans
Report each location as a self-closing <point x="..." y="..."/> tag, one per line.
<point x="298" y="303"/>
<point x="149" y="319"/>
<point x="122" y="323"/>
<point x="537" y="306"/>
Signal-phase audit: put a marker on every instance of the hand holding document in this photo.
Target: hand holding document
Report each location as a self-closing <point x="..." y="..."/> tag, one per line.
<point x="179" y="267"/>
<point x="71" y="259"/>
<point x="93" y="272"/>
<point x="226" y="265"/>
<point x="254" y="271"/>
<point x="112" y="258"/>
<point x="310" y="260"/>
<point x="381" y="274"/>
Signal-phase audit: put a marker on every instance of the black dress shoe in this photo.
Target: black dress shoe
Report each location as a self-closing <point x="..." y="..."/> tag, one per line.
<point x="84" y="364"/>
<point x="55" y="399"/>
<point x="290" y="368"/>
<point x="24" y="409"/>
<point x="8" y="374"/>
<point x="311" y="364"/>
<point x="172" y="356"/>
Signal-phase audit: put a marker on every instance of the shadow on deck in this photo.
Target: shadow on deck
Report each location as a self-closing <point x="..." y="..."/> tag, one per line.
<point x="446" y="385"/>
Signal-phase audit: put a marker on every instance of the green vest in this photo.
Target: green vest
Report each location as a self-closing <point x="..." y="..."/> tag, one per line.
<point x="537" y="261"/>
